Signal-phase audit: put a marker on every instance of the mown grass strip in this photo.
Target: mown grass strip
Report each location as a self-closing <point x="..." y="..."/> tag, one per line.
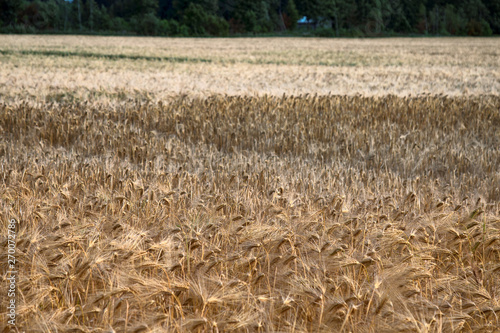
<point x="59" y="53"/>
<point x="102" y="56"/>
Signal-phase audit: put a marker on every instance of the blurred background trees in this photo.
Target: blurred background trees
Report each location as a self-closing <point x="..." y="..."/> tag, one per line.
<point x="230" y="17"/>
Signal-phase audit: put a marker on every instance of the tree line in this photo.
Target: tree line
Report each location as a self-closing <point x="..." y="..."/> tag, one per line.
<point x="328" y="18"/>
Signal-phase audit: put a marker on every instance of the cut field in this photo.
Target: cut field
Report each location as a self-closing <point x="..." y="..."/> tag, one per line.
<point x="251" y="185"/>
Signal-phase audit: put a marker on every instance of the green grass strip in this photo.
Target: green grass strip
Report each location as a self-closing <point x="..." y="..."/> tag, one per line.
<point x="102" y="56"/>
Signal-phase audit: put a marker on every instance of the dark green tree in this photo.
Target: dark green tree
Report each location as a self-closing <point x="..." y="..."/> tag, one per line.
<point x="208" y="6"/>
<point x="493" y="7"/>
<point x="292" y="15"/>
<point x="201" y="23"/>
<point x="9" y="10"/>
<point x="312" y="9"/>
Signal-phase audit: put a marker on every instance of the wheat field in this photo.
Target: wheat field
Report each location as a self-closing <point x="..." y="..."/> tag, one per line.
<point x="242" y="188"/>
<point x="69" y="68"/>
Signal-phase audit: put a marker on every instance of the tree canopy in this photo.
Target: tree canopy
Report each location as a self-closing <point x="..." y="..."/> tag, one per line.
<point x="227" y="17"/>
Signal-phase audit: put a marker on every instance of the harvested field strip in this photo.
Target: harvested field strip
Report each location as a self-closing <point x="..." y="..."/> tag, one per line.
<point x="308" y="213"/>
